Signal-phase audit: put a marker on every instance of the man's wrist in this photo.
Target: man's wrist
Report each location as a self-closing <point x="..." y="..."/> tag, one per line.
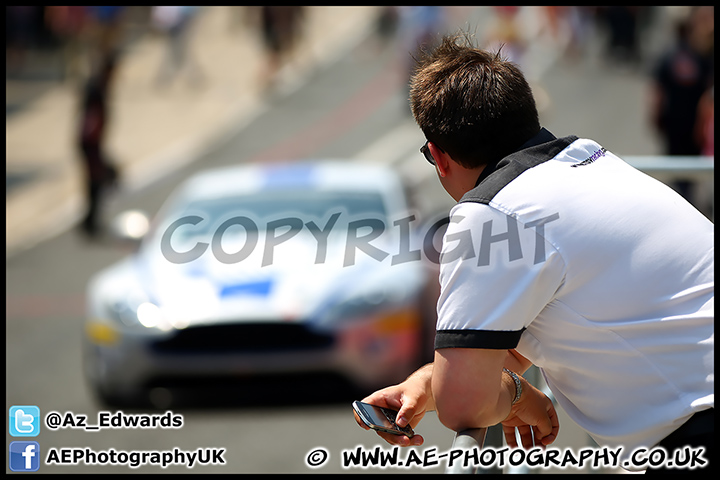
<point x="518" y="385"/>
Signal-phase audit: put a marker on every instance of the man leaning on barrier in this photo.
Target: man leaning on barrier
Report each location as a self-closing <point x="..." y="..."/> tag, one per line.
<point x="615" y="304"/>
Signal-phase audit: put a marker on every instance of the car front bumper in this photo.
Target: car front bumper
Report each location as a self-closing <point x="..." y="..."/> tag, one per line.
<point x="369" y="352"/>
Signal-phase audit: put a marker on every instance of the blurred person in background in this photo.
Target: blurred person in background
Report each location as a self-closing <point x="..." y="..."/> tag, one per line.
<point x="100" y="173"/>
<point x="705" y="125"/>
<point x="681" y="77"/>
<point x="106" y="25"/>
<point x="175" y="24"/>
<point x="20" y="34"/>
<point x="623" y="23"/>
<point x="569" y="27"/>
<point x="387" y="22"/>
<point x="419" y="28"/>
<point x="508" y="33"/>
<point x="68" y="24"/>
<point x="280" y="29"/>
<point x="703" y="193"/>
<point x="558" y="254"/>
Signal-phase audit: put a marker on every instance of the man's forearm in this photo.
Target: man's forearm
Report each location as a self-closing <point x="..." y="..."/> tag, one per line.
<point x="422" y="378"/>
<point x="516" y="362"/>
<point x="423" y="375"/>
<point x="469" y="387"/>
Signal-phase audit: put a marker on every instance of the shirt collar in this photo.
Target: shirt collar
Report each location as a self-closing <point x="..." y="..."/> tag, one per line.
<point x="543" y="136"/>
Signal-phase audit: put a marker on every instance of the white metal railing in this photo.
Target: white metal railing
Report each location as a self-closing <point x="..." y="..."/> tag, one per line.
<point x="669" y="169"/>
<point x="671" y="162"/>
<point x="475" y="439"/>
<point x="470" y="439"/>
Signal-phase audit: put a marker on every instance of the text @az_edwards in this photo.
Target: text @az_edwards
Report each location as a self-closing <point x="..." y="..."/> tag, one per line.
<point x="113" y="420"/>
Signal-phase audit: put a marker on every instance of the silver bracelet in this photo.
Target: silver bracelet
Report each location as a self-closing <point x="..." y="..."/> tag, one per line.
<point x="518" y="385"/>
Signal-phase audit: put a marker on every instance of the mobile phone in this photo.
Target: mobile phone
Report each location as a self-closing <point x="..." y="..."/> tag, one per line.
<point x="379" y="418"/>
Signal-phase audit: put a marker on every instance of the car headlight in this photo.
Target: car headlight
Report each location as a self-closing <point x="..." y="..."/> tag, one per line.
<point x="144" y="317"/>
<point x="150" y="315"/>
<point x="137" y="312"/>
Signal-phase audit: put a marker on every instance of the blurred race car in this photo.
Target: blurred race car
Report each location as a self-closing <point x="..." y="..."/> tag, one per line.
<point x="248" y="271"/>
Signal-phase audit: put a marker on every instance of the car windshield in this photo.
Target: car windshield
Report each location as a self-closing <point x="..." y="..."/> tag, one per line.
<point x="265" y="207"/>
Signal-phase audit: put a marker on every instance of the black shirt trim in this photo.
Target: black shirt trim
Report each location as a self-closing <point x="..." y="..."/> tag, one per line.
<point x="491" y="339"/>
<point x="539" y="149"/>
<point x="541" y="137"/>
<point x="495" y="176"/>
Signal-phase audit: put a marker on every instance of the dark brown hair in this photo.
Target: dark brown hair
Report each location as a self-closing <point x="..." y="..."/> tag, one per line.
<point x="473" y="104"/>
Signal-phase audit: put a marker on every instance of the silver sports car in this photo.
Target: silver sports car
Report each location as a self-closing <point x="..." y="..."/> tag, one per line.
<point x="265" y="271"/>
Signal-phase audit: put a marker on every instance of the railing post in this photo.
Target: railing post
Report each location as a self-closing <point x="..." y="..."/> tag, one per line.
<point x="475" y="438"/>
<point x="487" y="437"/>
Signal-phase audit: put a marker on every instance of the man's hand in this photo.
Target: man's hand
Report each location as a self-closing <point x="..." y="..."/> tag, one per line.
<point x="411" y="398"/>
<point x="535" y="418"/>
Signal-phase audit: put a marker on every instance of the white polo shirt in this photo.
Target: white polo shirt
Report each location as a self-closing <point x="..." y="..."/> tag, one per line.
<point x="600" y="275"/>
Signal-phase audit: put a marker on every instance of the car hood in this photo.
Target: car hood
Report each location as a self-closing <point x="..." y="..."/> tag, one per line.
<point x="296" y="285"/>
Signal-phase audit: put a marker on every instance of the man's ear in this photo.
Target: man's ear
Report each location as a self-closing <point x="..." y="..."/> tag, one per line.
<point x="442" y="159"/>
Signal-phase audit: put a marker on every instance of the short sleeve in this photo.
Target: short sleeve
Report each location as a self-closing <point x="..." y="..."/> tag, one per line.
<point x="496" y="275"/>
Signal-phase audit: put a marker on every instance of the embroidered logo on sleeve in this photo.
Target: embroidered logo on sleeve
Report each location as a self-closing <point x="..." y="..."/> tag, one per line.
<point x="591" y="158"/>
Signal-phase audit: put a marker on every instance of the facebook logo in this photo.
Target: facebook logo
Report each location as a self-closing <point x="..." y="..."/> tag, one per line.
<point x="24" y="456"/>
<point x="24" y="421"/>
